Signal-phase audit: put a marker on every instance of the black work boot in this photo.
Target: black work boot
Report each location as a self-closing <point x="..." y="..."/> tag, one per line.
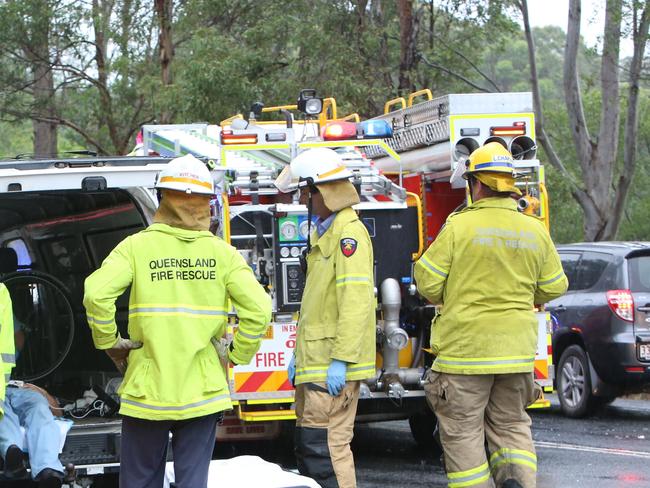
<point x="15" y="466"/>
<point x="49" y="478"/>
<point x="510" y="483"/>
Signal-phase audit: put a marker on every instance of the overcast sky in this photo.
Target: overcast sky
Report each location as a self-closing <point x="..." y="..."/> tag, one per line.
<point x="556" y="12"/>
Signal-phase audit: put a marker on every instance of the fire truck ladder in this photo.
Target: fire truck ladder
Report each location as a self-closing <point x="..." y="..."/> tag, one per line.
<point x="251" y="169"/>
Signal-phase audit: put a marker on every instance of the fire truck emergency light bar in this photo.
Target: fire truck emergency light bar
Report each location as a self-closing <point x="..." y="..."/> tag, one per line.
<point x="368" y="129"/>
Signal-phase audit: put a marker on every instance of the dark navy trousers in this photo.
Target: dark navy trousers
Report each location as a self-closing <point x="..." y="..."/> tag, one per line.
<point x="144" y="451"/>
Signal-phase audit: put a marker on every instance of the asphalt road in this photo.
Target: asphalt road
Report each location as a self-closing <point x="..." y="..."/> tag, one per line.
<point x="609" y="450"/>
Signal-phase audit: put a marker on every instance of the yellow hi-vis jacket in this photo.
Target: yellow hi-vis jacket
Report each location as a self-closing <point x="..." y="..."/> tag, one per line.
<point x="7" y="347"/>
<point x="488" y="267"/>
<point x="337" y="314"/>
<point x="181" y="281"/>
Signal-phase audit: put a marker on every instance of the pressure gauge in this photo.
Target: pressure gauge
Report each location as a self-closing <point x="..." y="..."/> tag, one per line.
<point x="295" y="252"/>
<point x="284" y="252"/>
<point x="304" y="229"/>
<point x="288" y="230"/>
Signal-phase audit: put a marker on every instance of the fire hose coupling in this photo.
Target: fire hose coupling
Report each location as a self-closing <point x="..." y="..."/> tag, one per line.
<point x="397" y="338"/>
<point x="396" y="390"/>
<point x="528" y="205"/>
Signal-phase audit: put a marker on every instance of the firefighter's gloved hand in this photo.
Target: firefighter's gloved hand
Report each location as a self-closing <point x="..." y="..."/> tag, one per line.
<point x="119" y="353"/>
<point x="231" y="350"/>
<point x="336" y="376"/>
<point x="291" y="370"/>
<point x="221" y="348"/>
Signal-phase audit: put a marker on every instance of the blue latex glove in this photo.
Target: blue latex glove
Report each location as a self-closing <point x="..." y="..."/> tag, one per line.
<point x="336" y="376"/>
<point x="291" y="370"/>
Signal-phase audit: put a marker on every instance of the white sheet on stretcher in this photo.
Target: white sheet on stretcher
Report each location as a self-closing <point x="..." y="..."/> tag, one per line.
<point x="248" y="472"/>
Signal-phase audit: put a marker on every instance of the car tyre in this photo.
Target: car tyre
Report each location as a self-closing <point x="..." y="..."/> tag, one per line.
<point x="574" y="383"/>
<point x="423" y="428"/>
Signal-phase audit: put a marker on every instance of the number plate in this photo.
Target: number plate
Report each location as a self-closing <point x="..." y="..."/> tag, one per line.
<point x="644" y="352"/>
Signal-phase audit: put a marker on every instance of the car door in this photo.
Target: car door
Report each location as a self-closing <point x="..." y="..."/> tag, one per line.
<point x="562" y="313"/>
<point x="590" y="311"/>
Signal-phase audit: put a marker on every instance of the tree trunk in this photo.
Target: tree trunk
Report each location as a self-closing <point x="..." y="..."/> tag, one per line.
<point x="602" y="205"/>
<point x="640" y="27"/>
<point x="37" y="50"/>
<point x="380" y="22"/>
<point x="166" y="51"/>
<point x="45" y="133"/>
<point x="408" y="34"/>
<point x="597" y="159"/>
<point x="101" y="11"/>
<point x="604" y="158"/>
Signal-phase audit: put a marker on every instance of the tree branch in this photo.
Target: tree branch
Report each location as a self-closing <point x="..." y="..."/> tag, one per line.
<point x="474" y="66"/>
<point x="540" y="128"/>
<point x="452" y="73"/>
<point x="58" y="120"/>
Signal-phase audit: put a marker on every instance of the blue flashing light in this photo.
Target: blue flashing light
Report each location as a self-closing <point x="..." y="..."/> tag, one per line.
<point x="376" y="129"/>
<point x="406" y="280"/>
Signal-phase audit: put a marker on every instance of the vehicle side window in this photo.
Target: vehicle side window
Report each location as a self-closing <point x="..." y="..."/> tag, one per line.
<point x="591" y="268"/>
<point x="570" y="266"/>
<point x="22" y="253"/>
<point x="639" y="271"/>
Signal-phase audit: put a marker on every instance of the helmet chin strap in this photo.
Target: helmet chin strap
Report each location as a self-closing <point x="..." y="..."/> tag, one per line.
<point x="303" y="256"/>
<point x="472" y="185"/>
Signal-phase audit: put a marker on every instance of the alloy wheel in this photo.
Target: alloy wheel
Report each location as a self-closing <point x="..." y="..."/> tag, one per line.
<point x="573" y="381"/>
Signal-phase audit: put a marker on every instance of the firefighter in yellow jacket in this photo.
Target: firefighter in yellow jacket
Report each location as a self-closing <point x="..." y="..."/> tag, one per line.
<point x="488" y="267"/>
<point x="182" y="278"/>
<point x="335" y="345"/>
<point x="7" y="348"/>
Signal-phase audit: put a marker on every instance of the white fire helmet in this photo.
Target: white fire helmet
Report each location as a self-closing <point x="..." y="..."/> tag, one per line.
<point x="313" y="166"/>
<point x="187" y="174"/>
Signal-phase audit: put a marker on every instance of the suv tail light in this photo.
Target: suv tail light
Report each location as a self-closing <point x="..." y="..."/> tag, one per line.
<point x="621" y="303"/>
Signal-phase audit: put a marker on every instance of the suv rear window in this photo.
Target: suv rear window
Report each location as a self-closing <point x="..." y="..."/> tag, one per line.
<point x="591" y="268"/>
<point x="639" y="271"/>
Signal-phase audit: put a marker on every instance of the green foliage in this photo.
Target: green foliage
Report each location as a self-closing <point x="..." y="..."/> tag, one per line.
<point x="16" y="138"/>
<point x="230" y="53"/>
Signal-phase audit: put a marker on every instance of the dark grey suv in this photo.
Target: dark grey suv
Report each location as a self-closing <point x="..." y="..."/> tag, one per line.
<point x="601" y="327"/>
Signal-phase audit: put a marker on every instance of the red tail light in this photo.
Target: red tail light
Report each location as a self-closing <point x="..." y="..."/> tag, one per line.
<point x="229" y="138"/>
<point x="516" y="129"/>
<point x="635" y="369"/>
<point x="621" y="303"/>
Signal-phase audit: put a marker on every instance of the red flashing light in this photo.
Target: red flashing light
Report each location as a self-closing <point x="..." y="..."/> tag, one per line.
<point x="336" y="131"/>
<point x="228" y="138"/>
<point x="621" y="303"/>
<point x="516" y="129"/>
<point x="635" y="369"/>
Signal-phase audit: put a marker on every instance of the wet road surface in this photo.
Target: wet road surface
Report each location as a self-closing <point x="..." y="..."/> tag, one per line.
<point x="608" y="450"/>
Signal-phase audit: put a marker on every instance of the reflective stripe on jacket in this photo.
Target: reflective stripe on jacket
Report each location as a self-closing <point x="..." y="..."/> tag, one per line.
<point x="7" y="347"/>
<point x="488" y="266"/>
<point x="337" y="315"/>
<point x="181" y="281"/>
